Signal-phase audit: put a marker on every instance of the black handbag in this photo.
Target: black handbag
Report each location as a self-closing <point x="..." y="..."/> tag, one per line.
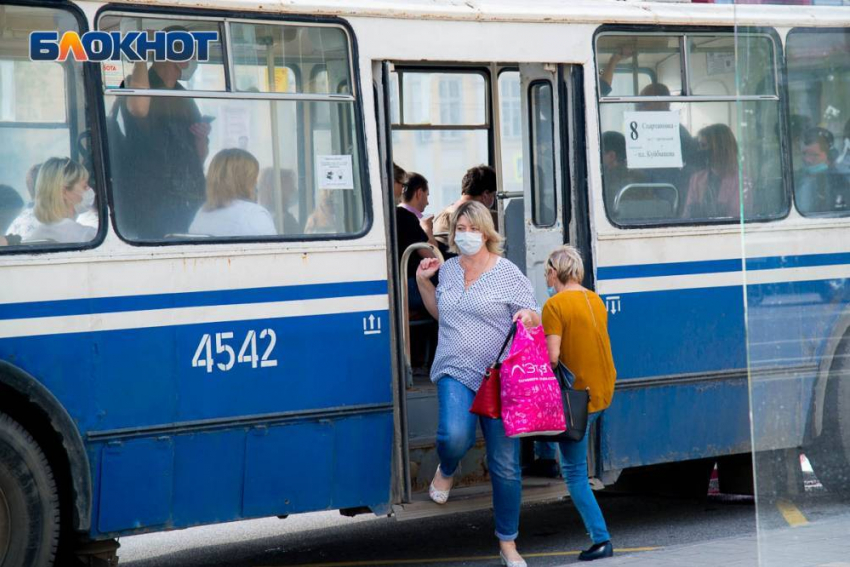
<point x="575" y="408"/>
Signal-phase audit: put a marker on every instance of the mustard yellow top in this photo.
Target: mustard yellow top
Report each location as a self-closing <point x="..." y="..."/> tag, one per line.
<point x="581" y="320"/>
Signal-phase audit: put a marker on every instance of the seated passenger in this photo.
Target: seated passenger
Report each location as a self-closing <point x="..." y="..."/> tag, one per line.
<point x="10" y="206"/>
<point x="713" y="191"/>
<point x="26" y="223"/>
<point x="478" y="184"/>
<point x="615" y="173"/>
<point x="818" y="187"/>
<point x="409" y="231"/>
<point x="323" y="219"/>
<point x="280" y="198"/>
<point x="61" y="191"/>
<point x="231" y="208"/>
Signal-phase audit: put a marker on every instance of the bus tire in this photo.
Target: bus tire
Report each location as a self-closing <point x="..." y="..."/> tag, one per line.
<point x="829" y="453"/>
<point x="29" y="500"/>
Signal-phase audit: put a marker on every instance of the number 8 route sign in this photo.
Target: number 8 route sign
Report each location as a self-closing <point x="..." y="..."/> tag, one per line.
<point x="653" y="139"/>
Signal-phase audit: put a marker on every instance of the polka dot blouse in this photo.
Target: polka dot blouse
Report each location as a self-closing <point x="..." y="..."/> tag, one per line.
<point x="475" y="321"/>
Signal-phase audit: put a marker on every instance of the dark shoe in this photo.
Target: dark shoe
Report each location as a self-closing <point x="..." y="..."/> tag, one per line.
<point x="597" y="551"/>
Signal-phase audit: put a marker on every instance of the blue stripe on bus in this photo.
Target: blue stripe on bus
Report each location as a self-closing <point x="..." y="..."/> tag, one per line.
<point x="720" y="266"/>
<point x="66" y="307"/>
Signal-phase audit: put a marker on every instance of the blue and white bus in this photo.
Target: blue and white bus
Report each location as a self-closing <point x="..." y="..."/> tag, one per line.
<point x="153" y="377"/>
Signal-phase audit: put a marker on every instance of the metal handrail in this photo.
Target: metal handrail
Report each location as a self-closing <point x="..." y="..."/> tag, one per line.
<point x="405" y="328"/>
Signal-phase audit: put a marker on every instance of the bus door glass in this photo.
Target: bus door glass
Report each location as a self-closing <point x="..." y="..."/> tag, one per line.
<point x="541" y="124"/>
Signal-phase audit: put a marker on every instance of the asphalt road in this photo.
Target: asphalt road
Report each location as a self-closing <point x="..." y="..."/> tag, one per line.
<point x="551" y="534"/>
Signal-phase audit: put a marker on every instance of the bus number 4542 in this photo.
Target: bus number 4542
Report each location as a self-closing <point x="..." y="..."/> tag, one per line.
<point x="226" y="357"/>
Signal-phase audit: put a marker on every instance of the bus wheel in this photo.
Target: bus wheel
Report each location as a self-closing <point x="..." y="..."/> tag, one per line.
<point x="829" y="454"/>
<point x="29" y="502"/>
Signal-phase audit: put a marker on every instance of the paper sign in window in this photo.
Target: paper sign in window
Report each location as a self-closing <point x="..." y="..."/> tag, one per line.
<point x="335" y="172"/>
<point x="653" y="139"/>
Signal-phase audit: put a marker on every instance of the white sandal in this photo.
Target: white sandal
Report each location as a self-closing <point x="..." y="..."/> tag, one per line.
<point x="515" y="563"/>
<point x="438" y="496"/>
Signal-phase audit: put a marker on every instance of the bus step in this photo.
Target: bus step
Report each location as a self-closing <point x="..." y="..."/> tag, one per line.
<point x="477" y="497"/>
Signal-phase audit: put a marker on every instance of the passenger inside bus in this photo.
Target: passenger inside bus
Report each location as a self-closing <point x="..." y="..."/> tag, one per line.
<point x="713" y="190"/>
<point x="414" y="199"/>
<point x="323" y="218"/>
<point x="614" y="167"/>
<point x="11" y="205"/>
<point x="231" y="207"/>
<point x="61" y="193"/>
<point x="159" y="168"/>
<point x="478" y="184"/>
<point x="281" y="207"/>
<point x="820" y="188"/>
<point x="26" y="223"/>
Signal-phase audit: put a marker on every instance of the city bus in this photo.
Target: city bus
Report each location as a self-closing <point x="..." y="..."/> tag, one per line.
<point x="155" y="377"/>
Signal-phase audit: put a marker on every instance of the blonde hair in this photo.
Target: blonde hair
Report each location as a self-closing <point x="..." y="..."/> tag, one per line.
<point x="232" y="175"/>
<point x="567" y="263"/>
<point x="479" y="216"/>
<point x="56" y="176"/>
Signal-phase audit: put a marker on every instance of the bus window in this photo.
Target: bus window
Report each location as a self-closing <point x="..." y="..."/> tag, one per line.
<point x="281" y="159"/>
<point x="630" y="63"/>
<point x="542" y="166"/>
<point x="819" y="100"/>
<point x="46" y="195"/>
<point x="442" y="128"/>
<point x="681" y="158"/>
<point x="510" y="133"/>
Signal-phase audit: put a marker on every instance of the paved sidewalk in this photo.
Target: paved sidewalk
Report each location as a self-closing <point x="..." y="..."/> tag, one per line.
<point x="820" y="544"/>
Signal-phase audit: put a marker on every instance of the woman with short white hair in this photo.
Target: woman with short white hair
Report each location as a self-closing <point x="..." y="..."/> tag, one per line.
<point x="478" y="297"/>
<point x="61" y="193"/>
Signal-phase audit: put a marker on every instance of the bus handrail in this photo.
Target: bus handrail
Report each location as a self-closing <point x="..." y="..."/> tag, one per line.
<point x="405" y="328"/>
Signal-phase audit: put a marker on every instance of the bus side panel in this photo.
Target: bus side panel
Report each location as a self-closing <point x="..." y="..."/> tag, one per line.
<point x="321" y="404"/>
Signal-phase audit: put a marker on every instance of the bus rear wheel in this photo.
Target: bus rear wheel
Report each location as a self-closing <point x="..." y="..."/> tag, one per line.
<point x="829" y="454"/>
<point x="29" y="501"/>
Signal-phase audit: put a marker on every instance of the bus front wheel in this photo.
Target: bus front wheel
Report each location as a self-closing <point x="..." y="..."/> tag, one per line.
<point x="829" y="453"/>
<point x="29" y="501"/>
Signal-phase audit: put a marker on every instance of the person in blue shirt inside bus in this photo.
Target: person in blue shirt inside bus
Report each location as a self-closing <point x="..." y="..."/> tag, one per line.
<point x="818" y="187"/>
<point x="478" y="296"/>
<point x="231" y="207"/>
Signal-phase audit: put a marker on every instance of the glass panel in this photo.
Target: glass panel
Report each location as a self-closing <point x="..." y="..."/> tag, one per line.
<point x="819" y="100"/>
<point x="192" y="75"/>
<point x="711" y="61"/>
<point x="444" y="98"/>
<point x="266" y="55"/>
<point x="172" y="181"/>
<point x="629" y="64"/>
<point x="542" y="155"/>
<point x="642" y="190"/>
<point x="39" y="126"/>
<point x="511" y="131"/>
<point x="443" y="161"/>
<point x="797" y="296"/>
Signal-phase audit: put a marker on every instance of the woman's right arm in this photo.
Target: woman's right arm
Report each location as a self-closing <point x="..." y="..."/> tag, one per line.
<point x="426" y="270"/>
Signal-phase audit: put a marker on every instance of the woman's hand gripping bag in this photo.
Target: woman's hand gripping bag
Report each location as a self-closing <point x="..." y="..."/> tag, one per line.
<point x="531" y="396"/>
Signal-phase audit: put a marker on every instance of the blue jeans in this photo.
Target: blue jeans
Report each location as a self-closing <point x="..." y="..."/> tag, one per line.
<point x="456" y="435"/>
<point x="574" y="470"/>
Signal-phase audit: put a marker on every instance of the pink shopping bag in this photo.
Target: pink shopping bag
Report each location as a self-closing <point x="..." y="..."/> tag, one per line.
<point x="531" y="396"/>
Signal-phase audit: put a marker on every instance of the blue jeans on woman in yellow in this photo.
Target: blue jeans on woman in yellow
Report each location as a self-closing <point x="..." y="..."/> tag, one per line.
<point x="574" y="470"/>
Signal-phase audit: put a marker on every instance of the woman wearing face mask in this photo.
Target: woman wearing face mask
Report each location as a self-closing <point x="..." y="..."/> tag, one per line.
<point x="479" y="295"/>
<point x="713" y="191"/>
<point x="576" y="324"/>
<point x="61" y="193"/>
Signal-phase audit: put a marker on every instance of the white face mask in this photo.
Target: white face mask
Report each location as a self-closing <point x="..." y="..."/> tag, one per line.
<point x="86" y="203"/>
<point x="469" y="243"/>
<point x="186" y="74"/>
